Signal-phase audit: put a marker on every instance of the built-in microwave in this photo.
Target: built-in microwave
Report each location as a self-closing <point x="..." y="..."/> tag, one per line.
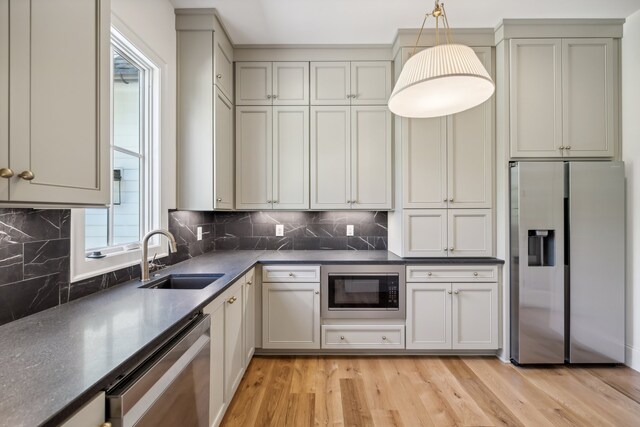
<point x="363" y="291"/>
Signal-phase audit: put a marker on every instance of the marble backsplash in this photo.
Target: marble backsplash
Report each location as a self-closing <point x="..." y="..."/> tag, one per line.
<point x="35" y="247"/>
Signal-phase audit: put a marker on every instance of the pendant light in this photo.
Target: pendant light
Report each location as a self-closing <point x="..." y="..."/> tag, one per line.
<point x="441" y="80"/>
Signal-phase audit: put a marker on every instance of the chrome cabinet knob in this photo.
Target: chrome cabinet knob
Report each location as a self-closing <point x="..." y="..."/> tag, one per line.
<point x="451" y="249"/>
<point x="219" y="199"/>
<point x="317" y="292"/>
<point x="451" y="199"/>
<point x="268" y="96"/>
<point x="269" y="201"/>
<point x="475" y="273"/>
<point x="561" y="147"/>
<point x="275" y="96"/>
<point x="354" y="201"/>
<point x="219" y="76"/>
<point x="456" y="292"/>
<point x="449" y="292"/>
<point x="429" y="274"/>
<point x="26" y="175"/>
<point x="342" y="337"/>
<point x="290" y="274"/>
<point x="445" y="249"/>
<point x="6" y="173"/>
<point x="348" y="96"/>
<point x="384" y="338"/>
<point x="275" y="201"/>
<point x="568" y="147"/>
<point x="444" y="200"/>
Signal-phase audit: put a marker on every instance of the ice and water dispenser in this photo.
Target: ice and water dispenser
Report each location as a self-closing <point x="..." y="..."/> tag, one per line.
<point x="542" y="248"/>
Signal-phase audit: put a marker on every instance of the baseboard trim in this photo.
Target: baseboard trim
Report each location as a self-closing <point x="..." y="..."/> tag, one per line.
<point x="632" y="358"/>
<point x="373" y="352"/>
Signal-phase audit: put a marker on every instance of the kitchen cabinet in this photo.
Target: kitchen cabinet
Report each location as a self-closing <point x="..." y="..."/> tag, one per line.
<point x="234" y="355"/>
<point x="448" y="232"/>
<point x="272" y="83"/>
<point x="291" y="315"/>
<point x="446" y="312"/>
<point x="91" y="414"/>
<point x="363" y="337"/>
<point x="249" y="316"/>
<point x="351" y="157"/>
<point x="218" y="399"/>
<point x="561" y="97"/>
<point x="54" y="108"/>
<point x="205" y="153"/>
<point x="272" y="154"/>
<point x="350" y="83"/>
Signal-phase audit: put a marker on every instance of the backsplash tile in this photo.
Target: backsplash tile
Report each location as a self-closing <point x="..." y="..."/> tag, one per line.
<point x="35" y="247"/>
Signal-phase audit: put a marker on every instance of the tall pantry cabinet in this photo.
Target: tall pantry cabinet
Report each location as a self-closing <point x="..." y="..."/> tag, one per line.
<point x="205" y="112"/>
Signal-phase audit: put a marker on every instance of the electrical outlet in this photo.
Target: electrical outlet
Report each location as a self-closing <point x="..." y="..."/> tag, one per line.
<point x="199" y="233"/>
<point x="279" y="230"/>
<point x="349" y="230"/>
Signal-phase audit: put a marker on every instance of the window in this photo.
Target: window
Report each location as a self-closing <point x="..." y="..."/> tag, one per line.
<point x="109" y="238"/>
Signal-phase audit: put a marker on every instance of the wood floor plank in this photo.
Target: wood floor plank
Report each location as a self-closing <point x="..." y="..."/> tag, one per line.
<point x="412" y="391"/>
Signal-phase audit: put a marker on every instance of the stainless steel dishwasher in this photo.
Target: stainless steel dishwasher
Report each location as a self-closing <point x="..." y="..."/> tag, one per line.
<point x="171" y="388"/>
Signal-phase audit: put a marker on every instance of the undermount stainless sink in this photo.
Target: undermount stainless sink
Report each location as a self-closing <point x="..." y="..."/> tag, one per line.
<point x="183" y="281"/>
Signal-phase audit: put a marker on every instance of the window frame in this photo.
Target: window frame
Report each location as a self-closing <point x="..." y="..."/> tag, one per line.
<point x="117" y="256"/>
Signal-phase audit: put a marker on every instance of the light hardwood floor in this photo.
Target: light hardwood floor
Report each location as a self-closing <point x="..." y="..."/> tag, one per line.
<point x="430" y="391"/>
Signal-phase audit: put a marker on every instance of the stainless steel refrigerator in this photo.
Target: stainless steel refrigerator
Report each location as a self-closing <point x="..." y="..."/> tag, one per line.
<point x="567" y="262"/>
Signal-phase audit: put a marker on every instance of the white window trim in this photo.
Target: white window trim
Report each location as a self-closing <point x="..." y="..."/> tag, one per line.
<point x="82" y="267"/>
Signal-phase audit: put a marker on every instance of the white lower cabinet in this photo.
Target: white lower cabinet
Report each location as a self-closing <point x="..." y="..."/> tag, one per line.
<point x="363" y="336"/>
<point x="91" y="414"/>
<point x="249" y="317"/>
<point x="458" y="316"/>
<point x="291" y="315"/>
<point x="217" y="400"/>
<point x="234" y="355"/>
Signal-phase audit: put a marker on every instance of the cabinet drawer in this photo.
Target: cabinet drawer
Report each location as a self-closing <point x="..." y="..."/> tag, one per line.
<point x="290" y="273"/>
<point x="363" y="336"/>
<point x="463" y="273"/>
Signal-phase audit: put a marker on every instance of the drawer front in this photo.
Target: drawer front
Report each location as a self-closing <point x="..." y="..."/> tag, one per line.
<point x="290" y="273"/>
<point x="462" y="273"/>
<point x="363" y="336"/>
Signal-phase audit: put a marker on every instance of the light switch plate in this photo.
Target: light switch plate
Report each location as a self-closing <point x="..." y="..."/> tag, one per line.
<point x="349" y="230"/>
<point x="279" y="230"/>
<point x="199" y="233"/>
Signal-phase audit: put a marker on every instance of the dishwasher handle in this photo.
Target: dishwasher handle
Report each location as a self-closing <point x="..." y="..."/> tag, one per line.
<point x="130" y="402"/>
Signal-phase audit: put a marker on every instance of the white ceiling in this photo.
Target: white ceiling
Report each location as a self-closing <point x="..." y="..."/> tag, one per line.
<point x="376" y="21"/>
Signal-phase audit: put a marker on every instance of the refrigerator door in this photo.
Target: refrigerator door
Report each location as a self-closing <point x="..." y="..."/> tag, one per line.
<point x="596" y="262"/>
<point x="537" y="290"/>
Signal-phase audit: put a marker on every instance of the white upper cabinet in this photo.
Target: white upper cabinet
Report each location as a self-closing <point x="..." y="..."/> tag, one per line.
<point x="224" y="152"/>
<point x="587" y="93"/>
<point x="57" y="100"/>
<point x="272" y="83"/>
<point x="350" y="83"/>
<point x="425" y="233"/>
<point x="561" y="97"/>
<point x="470" y="232"/>
<point x="350" y="157"/>
<point x="223" y="63"/>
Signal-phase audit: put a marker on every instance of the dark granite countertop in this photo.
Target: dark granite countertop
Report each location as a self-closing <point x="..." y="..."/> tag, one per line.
<point x="54" y="361"/>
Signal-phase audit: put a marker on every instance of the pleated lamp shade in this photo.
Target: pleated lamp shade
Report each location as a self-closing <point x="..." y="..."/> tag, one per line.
<point x="442" y="80"/>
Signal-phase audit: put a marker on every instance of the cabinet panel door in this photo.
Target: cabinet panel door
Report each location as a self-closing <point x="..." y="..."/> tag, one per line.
<point x="370" y="82"/>
<point x="224" y="156"/>
<point x="291" y="315"/>
<point x="425" y="233"/>
<point x="253" y="83"/>
<point x="371" y="158"/>
<point x="253" y="157"/>
<point x="425" y="161"/>
<point x="234" y="356"/>
<point x="330" y="83"/>
<point x="330" y="157"/>
<point x="291" y="157"/>
<point x="429" y="316"/>
<point x="217" y="398"/>
<point x="223" y="60"/>
<point x="290" y="83"/>
<point x="59" y="100"/>
<point x="475" y="316"/>
<point x="4" y="95"/>
<point x="92" y="413"/>
<point x="587" y="91"/>
<point x="470" y="233"/>
<point x="249" y="316"/>
<point x="535" y="98"/>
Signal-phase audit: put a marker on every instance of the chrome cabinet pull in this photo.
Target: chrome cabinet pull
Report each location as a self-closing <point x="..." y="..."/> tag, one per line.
<point x="456" y="292"/>
<point x="384" y="338"/>
<point x="446" y="249"/>
<point x="219" y="199"/>
<point x="449" y="292"/>
<point x="342" y="337"/>
<point x="429" y="274"/>
<point x="219" y="76"/>
<point x="451" y="249"/>
<point x="451" y="199"/>
<point x="290" y="274"/>
<point x="268" y="96"/>
<point x="317" y="292"/>
<point x="475" y="273"/>
<point x="275" y="96"/>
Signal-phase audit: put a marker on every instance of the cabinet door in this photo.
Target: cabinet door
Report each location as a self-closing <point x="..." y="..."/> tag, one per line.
<point x="217" y="397"/>
<point x="91" y="414"/>
<point x="370" y="158"/>
<point x="224" y="158"/>
<point x="4" y="96"/>
<point x="535" y="98"/>
<point x="291" y="315"/>
<point x="249" y="317"/>
<point x="587" y="93"/>
<point x="370" y="82"/>
<point x="291" y="157"/>
<point x="429" y="316"/>
<point x="223" y="62"/>
<point x="424" y="151"/>
<point x="475" y="316"/>
<point x="253" y="83"/>
<point x="59" y="100"/>
<point x="330" y="83"/>
<point x="234" y="355"/>
<point x="290" y="83"/>
<point x="253" y="157"/>
<point x="470" y="233"/>
<point x="425" y="233"/>
<point x="330" y="157"/>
